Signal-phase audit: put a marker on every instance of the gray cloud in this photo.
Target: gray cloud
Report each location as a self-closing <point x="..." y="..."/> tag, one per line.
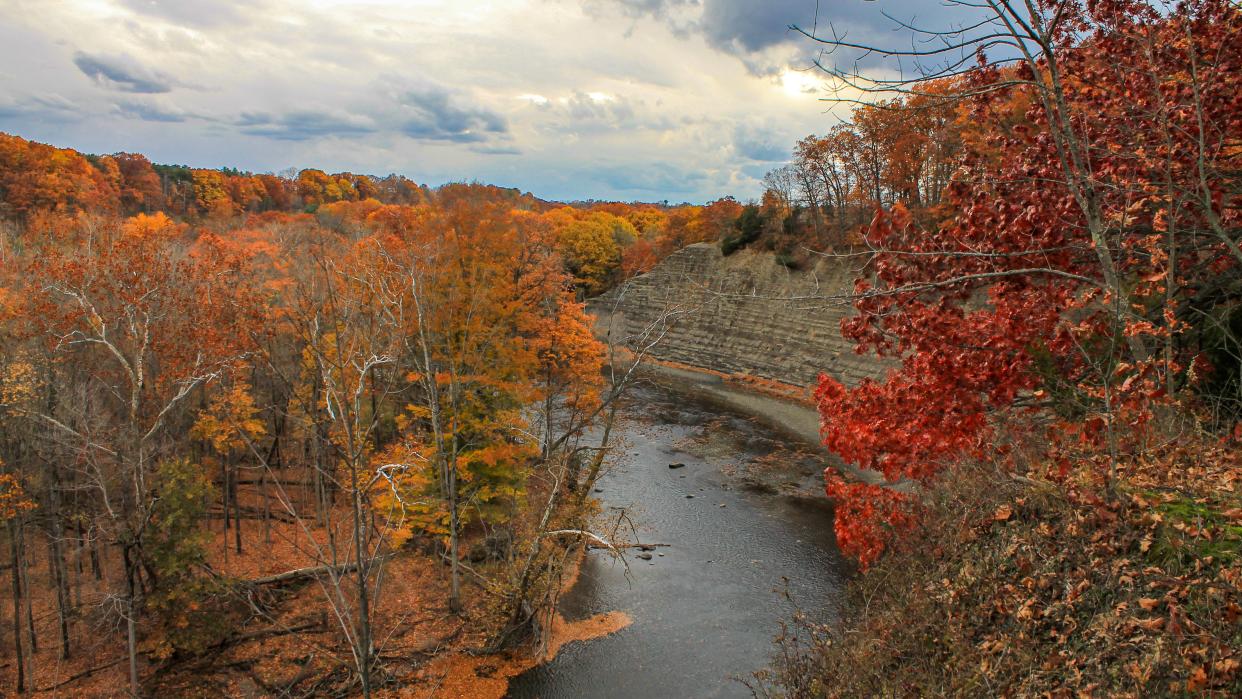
<point x="302" y="125"/>
<point x="744" y="26"/>
<point x="123" y="73"/>
<point x="735" y="26"/>
<point x="151" y="112"/>
<point x="598" y="113"/>
<point x="763" y="145"/>
<point x="50" y="108"/>
<point x="583" y="107"/>
<point x="433" y="113"/>
<point x="661" y="178"/>
<point x="756" y="171"/>
<point x="652" y="7"/>
<point x="748" y="28"/>
<point x="756" y="32"/>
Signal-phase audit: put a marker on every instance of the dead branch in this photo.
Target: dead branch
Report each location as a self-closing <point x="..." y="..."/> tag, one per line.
<point x="85" y="673"/>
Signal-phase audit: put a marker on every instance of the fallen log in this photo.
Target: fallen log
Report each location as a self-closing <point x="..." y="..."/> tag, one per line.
<point x="270" y="481"/>
<point x="251" y="513"/>
<point x="302" y="573"/>
<point x="214" y="654"/>
<point x="307" y="573"/>
<point x="269" y="633"/>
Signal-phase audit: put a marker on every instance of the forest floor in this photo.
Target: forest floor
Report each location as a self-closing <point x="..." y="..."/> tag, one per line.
<point x="279" y="640"/>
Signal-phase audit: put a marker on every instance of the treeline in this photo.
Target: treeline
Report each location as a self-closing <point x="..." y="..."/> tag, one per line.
<point x="36" y="177"/>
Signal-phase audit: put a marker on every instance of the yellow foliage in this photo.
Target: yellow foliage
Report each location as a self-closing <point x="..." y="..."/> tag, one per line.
<point x="591" y="244"/>
<point x="403" y="493"/>
<point x="155" y="227"/>
<point x="210" y="195"/>
<point x="19" y="384"/>
<point x="13" y="500"/>
<point x="231" y="420"/>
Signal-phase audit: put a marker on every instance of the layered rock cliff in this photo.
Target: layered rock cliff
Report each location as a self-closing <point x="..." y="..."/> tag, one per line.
<point x="743" y="314"/>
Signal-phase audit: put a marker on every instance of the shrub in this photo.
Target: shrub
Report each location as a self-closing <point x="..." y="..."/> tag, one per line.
<point x="1012" y="586"/>
<point x="746" y="230"/>
<point x="188" y="608"/>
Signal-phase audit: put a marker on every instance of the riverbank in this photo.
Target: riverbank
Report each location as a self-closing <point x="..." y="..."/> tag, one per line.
<point x="795" y="419"/>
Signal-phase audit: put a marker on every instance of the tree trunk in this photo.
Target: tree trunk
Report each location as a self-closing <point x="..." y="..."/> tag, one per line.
<point x="79" y="569"/>
<point x="237" y="518"/>
<point x="131" y="609"/>
<point x="96" y="564"/>
<point x="267" y="509"/>
<point x="34" y="640"/>
<point x="224" y="505"/>
<point x="454" y="541"/>
<point x="56" y="564"/>
<point x="19" y="655"/>
<point x="364" y="602"/>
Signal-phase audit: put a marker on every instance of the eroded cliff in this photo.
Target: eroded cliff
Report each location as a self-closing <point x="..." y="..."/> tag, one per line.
<point x="745" y="314"/>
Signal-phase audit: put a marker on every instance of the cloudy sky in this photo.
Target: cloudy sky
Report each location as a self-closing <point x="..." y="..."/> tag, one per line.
<point x="685" y="100"/>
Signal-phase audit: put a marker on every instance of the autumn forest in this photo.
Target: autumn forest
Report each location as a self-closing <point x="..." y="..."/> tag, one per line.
<point x="335" y="434"/>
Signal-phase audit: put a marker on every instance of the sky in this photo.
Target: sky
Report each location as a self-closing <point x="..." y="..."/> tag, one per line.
<point x="679" y="100"/>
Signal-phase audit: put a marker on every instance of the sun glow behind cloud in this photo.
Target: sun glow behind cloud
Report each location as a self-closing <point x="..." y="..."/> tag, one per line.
<point x="800" y="83"/>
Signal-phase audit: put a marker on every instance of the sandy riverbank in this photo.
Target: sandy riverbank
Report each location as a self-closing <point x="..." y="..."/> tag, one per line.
<point x="795" y="419"/>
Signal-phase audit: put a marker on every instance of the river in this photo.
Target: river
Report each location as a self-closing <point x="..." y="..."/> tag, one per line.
<point x="745" y="521"/>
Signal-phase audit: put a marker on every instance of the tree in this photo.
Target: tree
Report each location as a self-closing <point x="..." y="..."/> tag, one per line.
<point x="230" y="424"/>
<point x="746" y="229"/>
<point x="591" y="245"/>
<point x="1085" y="225"/>
<point x="35" y="176"/>
<point x="150" y="321"/>
<point x="713" y="221"/>
<point x="211" y="197"/>
<point x="13" y="504"/>
<point x="140" y="189"/>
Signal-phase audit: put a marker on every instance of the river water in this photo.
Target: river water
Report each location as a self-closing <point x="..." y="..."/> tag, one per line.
<point x="705" y="608"/>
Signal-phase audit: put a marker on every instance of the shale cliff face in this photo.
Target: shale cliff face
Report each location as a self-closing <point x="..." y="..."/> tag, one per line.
<point x="742" y="314"/>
